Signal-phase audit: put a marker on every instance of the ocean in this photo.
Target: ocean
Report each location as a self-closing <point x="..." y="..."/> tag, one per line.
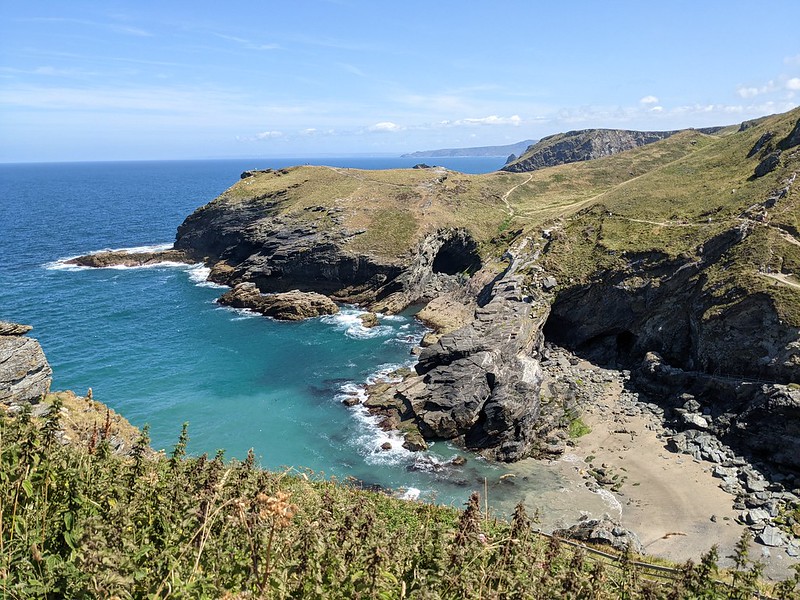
<point x="153" y="345"/>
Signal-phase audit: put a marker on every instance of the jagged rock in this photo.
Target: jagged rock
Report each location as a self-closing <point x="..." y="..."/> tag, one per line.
<point x="287" y="306"/>
<point x="480" y="381"/>
<point x="603" y="531"/>
<point x="762" y="141"/>
<point x="25" y="374"/>
<point x="769" y="164"/>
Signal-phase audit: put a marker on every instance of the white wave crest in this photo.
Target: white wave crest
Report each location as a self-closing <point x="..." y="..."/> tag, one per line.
<point x="199" y="274"/>
<point x="411" y="493"/>
<point x="347" y="320"/>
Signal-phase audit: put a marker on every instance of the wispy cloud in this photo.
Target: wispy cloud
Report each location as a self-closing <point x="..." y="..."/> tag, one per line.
<point x="792" y="60"/>
<point x="250" y="45"/>
<point x="115" y="27"/>
<point x="649" y="100"/>
<point x="351" y="69"/>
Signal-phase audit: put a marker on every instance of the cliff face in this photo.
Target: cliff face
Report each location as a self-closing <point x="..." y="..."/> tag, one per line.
<point x="582" y="145"/>
<point x="25" y="374"/>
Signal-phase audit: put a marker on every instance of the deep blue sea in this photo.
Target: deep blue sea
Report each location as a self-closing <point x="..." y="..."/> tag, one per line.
<point x="153" y="345"/>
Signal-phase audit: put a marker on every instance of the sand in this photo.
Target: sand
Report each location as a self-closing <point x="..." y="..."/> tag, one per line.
<point x="671" y="501"/>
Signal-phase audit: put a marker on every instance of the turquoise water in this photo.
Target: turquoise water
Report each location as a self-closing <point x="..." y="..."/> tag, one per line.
<point x="153" y="345"/>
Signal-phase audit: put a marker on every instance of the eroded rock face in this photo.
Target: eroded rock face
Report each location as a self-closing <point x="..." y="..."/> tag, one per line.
<point x="251" y="241"/>
<point x="286" y="306"/>
<point x="480" y="383"/>
<point x="666" y="307"/>
<point x="586" y="144"/>
<point x="25" y="374"/>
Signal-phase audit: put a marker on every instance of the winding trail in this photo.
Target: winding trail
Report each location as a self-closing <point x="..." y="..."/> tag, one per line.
<point x="511" y="190"/>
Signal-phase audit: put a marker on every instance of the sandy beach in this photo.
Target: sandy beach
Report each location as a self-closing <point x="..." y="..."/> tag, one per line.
<point x="671" y="501"/>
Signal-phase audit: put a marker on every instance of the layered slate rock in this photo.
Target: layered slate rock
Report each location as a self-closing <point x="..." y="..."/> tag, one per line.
<point x="480" y="384"/>
<point x="287" y="306"/>
<point x="25" y="374"/>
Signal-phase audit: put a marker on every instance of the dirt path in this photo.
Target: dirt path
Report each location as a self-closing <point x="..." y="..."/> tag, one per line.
<point x="504" y="197"/>
<point x="784" y="279"/>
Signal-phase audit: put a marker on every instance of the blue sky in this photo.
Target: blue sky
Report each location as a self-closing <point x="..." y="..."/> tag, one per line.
<point x="171" y="79"/>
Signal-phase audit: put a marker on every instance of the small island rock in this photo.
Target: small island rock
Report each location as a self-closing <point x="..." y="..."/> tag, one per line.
<point x="286" y="306"/>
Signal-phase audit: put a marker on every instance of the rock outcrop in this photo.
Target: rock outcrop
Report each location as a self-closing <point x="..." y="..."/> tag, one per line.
<point x="286" y="306"/>
<point x="480" y="383"/>
<point x="603" y="531"/>
<point x="114" y="258"/>
<point x="25" y="374"/>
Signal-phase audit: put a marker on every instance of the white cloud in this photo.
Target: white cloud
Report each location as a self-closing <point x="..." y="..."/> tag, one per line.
<point x="657" y="109"/>
<point x="385" y="126"/>
<point x="793" y="84"/>
<point x="649" y="100"/>
<point x="267" y="135"/>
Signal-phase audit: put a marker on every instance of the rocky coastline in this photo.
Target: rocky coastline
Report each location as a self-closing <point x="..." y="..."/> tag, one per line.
<point x="717" y="361"/>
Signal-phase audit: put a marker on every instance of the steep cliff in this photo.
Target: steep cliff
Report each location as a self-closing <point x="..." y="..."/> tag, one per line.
<point x="582" y="145"/>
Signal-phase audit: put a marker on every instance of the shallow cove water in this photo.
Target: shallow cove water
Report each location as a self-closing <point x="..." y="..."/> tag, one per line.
<point x="154" y="346"/>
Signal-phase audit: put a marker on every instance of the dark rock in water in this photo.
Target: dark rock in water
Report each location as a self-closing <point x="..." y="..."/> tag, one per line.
<point x="602" y="531"/>
<point x="114" y="258"/>
<point x="458" y="461"/>
<point x="386" y="446"/>
<point x="288" y="306"/>
<point x="769" y="164"/>
<point x="369" y="320"/>
<point x="25" y="374"/>
<point x="351" y="401"/>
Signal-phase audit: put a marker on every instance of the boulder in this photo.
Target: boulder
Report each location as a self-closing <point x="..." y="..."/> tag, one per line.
<point x="771" y="536"/>
<point x="286" y="306"/>
<point x="603" y="531"/>
<point x="368" y="320"/>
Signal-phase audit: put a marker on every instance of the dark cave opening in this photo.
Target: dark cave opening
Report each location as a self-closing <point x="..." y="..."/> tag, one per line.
<point x="458" y="254"/>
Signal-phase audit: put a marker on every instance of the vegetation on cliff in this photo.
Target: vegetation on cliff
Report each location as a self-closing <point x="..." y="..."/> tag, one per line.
<point x="84" y="522"/>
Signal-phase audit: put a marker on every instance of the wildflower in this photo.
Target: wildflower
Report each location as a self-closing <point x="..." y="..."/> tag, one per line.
<point x="276" y="508"/>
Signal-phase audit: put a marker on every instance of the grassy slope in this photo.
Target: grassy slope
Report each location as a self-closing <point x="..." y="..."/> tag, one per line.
<point x="82" y="524"/>
<point x="669" y="198"/>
